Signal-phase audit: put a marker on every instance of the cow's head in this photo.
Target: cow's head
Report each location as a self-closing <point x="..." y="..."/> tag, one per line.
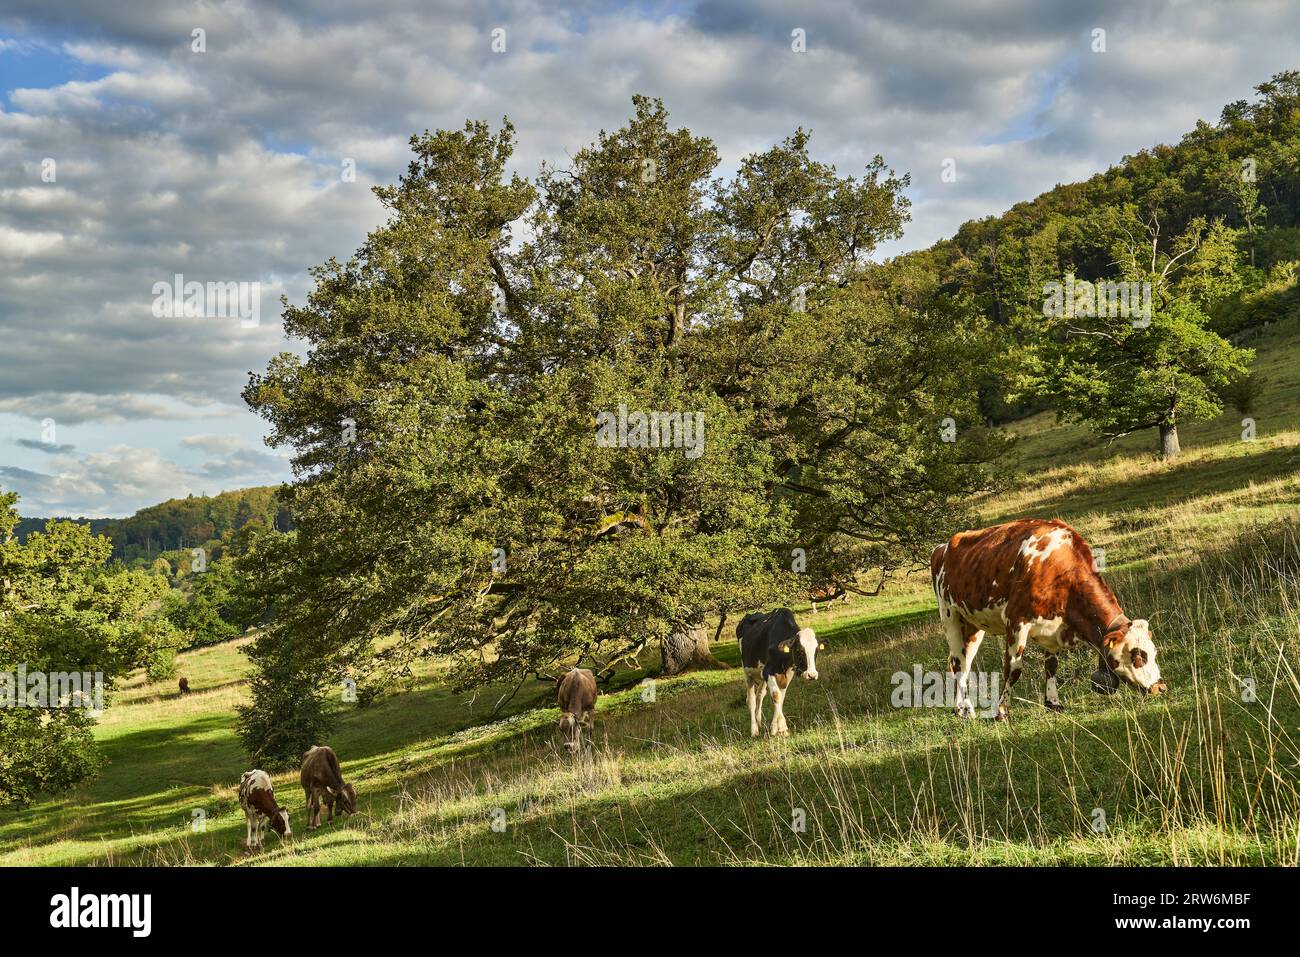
<point x="348" y="798"/>
<point x="804" y="650"/>
<point x="571" y="728"/>
<point x="280" y="822"/>
<point x="1131" y="655"/>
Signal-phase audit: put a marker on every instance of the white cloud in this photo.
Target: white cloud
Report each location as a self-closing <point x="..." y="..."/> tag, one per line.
<point x="225" y="165"/>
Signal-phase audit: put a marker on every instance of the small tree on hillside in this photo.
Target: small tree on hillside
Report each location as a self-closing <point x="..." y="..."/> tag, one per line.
<point x="1125" y="370"/>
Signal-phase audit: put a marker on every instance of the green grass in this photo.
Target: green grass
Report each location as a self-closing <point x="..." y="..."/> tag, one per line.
<point x="1207" y="548"/>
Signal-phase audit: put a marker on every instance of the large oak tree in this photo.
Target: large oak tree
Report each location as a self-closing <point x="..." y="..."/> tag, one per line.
<point x="453" y="495"/>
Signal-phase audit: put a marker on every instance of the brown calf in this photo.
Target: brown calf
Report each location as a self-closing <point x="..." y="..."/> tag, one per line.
<point x="322" y="780"/>
<point x="1033" y="578"/>
<point x="577" y="702"/>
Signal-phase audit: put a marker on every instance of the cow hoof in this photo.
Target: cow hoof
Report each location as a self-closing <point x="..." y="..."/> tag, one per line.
<point x="965" y="710"/>
<point x="1054" y="706"/>
<point x="1002" y="716"/>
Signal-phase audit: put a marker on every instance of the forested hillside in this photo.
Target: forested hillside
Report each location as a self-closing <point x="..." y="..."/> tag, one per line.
<point x="180" y="523"/>
<point x="1235" y="183"/>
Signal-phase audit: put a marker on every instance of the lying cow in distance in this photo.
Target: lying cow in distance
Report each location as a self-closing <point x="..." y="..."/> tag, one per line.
<point x="772" y="649"/>
<point x="257" y="798"/>
<point x="577" y="703"/>
<point x="1033" y="578"/>
<point x="322" y="780"/>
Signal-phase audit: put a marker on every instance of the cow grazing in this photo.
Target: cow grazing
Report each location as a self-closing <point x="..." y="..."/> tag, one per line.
<point x="322" y="781"/>
<point x="772" y="649"/>
<point x="828" y="595"/>
<point x="185" y="685"/>
<point x="1036" y="579"/>
<point x="257" y="798"/>
<point x="577" y="702"/>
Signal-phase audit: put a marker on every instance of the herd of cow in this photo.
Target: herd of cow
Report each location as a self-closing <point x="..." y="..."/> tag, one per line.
<point x="1028" y="579"/>
<point x="322" y="782"/>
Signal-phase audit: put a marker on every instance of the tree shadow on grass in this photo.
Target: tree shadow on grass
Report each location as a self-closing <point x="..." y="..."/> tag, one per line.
<point x="949" y="787"/>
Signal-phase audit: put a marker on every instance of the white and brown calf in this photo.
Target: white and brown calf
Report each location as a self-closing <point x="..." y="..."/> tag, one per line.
<point x="257" y="798"/>
<point x="772" y="649"/>
<point x="1034" y="578"/>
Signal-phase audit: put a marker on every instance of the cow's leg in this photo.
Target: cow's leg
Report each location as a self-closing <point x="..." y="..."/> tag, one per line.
<point x="1013" y="661"/>
<point x="755" y="692"/>
<point x="778" y="706"/>
<point x="248" y="829"/>
<point x="1050" y="700"/>
<point x="751" y="699"/>
<point x="960" y="664"/>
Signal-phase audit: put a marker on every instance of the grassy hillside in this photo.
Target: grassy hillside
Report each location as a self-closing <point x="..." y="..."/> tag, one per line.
<point x="1207" y="548"/>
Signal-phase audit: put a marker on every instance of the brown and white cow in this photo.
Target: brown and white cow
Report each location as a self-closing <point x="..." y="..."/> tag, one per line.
<point x="1034" y="578"/>
<point x="322" y="780"/>
<point x="828" y="595"/>
<point x="257" y="798"/>
<point x="577" y="703"/>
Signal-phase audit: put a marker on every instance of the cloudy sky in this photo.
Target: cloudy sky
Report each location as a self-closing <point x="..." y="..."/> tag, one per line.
<point x="128" y="156"/>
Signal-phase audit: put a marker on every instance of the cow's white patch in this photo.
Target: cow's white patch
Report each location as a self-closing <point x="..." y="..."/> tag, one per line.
<point x="808" y="641"/>
<point x="945" y="610"/>
<point x="992" y="618"/>
<point x="1041" y="547"/>
<point x="1048" y="632"/>
<point x="1050" y="693"/>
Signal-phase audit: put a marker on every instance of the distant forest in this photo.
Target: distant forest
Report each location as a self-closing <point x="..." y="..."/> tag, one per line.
<point x="1243" y="171"/>
<point x="180" y="523"/>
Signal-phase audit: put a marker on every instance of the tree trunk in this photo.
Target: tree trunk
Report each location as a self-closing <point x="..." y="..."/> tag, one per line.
<point x="1169" y="441"/>
<point x="687" y="649"/>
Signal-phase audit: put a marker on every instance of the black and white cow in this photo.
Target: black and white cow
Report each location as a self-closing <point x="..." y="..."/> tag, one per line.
<point x="772" y="648"/>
